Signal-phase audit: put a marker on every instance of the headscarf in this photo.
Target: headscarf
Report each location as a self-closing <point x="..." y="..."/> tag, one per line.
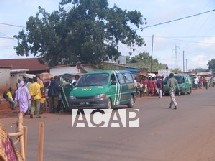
<point x="21" y="84"/>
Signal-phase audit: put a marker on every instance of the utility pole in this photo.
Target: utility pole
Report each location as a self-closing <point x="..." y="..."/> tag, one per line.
<point x="176" y="56"/>
<point x="183" y="63"/>
<point x="152" y="50"/>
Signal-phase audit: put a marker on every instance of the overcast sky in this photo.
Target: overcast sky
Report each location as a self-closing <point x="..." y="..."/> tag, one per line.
<point x="195" y="35"/>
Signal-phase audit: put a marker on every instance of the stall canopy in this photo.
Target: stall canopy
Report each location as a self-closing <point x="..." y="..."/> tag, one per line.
<point x="29" y="76"/>
<point x="204" y="73"/>
<point x="45" y="76"/>
<point x="133" y="70"/>
<point x="151" y="75"/>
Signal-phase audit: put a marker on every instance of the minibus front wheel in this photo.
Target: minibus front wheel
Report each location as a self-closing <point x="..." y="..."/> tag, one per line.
<point x="109" y="104"/>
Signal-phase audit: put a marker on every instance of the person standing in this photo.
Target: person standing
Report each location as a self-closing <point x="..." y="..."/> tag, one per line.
<point x="201" y="82"/>
<point x="206" y="79"/>
<point x="151" y="86"/>
<point x="23" y="97"/>
<point x="172" y="84"/>
<point x="10" y="99"/>
<point x="160" y="86"/>
<point x="196" y="82"/>
<point x="28" y="82"/>
<point x="53" y="94"/>
<point x="145" y="86"/>
<point x="35" y="93"/>
<point x="43" y="98"/>
<point x="40" y="82"/>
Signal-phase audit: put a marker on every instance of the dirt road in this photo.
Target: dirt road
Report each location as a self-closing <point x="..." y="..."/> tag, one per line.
<point x="186" y="134"/>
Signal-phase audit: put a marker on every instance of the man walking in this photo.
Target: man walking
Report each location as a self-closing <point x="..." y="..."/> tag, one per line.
<point x="172" y="84"/>
<point x="23" y="97"/>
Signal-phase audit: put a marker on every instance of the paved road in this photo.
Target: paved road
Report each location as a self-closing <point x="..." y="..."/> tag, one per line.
<point x="186" y="134"/>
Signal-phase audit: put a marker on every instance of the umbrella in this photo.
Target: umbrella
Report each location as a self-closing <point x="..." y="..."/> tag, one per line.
<point x="29" y="76"/>
<point x="45" y="76"/>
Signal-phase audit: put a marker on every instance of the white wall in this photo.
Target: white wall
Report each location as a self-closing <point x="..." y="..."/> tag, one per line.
<point x="121" y="60"/>
<point x="14" y="79"/>
<point x="4" y="78"/>
<point x="62" y="70"/>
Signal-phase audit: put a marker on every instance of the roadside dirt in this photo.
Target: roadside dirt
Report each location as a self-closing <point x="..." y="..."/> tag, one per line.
<point x="6" y="111"/>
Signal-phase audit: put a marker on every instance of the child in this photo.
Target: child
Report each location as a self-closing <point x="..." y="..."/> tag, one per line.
<point x="9" y="98"/>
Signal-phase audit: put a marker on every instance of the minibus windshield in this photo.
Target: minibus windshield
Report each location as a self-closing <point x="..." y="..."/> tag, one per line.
<point x="98" y="79"/>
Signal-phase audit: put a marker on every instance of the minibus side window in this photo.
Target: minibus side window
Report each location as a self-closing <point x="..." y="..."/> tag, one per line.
<point x="128" y="78"/>
<point x="183" y="80"/>
<point x="120" y="78"/>
<point x="113" y="79"/>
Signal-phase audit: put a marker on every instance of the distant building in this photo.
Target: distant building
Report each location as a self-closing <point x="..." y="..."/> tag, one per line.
<point x="13" y="69"/>
<point x="10" y="77"/>
<point x="5" y="77"/>
<point x="121" y="60"/>
<point x="15" y="75"/>
<point x="62" y="69"/>
<point x="164" y="72"/>
<point x="33" y="65"/>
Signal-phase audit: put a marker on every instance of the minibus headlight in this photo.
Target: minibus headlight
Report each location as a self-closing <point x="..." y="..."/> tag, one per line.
<point x="100" y="96"/>
<point x="72" y="97"/>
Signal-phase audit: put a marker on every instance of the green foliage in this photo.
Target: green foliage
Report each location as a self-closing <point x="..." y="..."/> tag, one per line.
<point x="211" y="65"/>
<point x="106" y="66"/>
<point x="90" y="32"/>
<point x="176" y="70"/>
<point x="144" y="60"/>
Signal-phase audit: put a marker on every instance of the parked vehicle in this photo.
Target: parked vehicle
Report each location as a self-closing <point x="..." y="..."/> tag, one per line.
<point x="184" y="82"/>
<point x="103" y="89"/>
<point x="213" y="81"/>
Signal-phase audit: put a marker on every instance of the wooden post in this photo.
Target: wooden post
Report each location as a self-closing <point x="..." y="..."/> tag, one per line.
<point x="25" y="139"/>
<point x="21" y="134"/>
<point x="41" y="141"/>
<point x="21" y="130"/>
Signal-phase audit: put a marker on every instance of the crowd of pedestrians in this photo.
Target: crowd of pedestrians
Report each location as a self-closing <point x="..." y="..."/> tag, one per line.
<point x="150" y="86"/>
<point x="32" y="98"/>
<point x="203" y="82"/>
<point x="153" y="86"/>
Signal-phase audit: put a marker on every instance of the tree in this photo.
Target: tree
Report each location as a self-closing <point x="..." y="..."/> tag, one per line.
<point x="144" y="60"/>
<point x="211" y="65"/>
<point x="90" y="31"/>
<point x="176" y="70"/>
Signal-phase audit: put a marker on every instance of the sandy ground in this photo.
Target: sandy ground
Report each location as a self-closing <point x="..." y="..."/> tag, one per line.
<point x="186" y="134"/>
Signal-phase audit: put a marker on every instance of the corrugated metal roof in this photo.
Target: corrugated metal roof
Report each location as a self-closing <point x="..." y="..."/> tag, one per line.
<point x="33" y="64"/>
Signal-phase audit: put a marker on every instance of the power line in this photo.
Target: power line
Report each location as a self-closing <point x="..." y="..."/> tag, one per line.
<point x="178" y="19"/>
<point x="11" y="25"/>
<point x="6" y="37"/>
<point x="161" y="23"/>
<point x="185" y="38"/>
<point x="188" y="37"/>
